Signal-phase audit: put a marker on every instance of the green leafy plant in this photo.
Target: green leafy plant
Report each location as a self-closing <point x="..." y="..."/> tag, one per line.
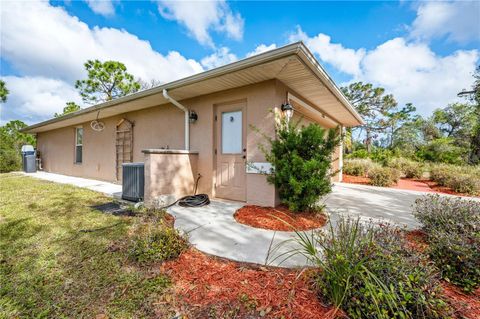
<point x="11" y="141"/>
<point x="465" y="183"/>
<point x="301" y="157"/>
<point x="383" y="176"/>
<point x="156" y="242"/>
<point x="409" y="168"/>
<point x="462" y="179"/>
<point x="452" y="226"/>
<point x="366" y="271"/>
<point x="357" y="166"/>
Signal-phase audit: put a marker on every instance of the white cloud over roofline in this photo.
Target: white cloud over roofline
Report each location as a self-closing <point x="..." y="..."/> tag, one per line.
<point x="202" y="17"/>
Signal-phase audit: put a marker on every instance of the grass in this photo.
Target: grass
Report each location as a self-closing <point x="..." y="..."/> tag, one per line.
<point x="49" y="267"/>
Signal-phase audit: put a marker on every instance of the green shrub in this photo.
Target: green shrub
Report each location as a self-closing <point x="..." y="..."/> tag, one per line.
<point x="156" y="242"/>
<point x="462" y="179"/>
<point x="409" y="168"/>
<point x="11" y="141"/>
<point x="464" y="183"/>
<point x="383" y="176"/>
<point x="452" y="226"/>
<point x="302" y="159"/>
<point x="442" y="173"/>
<point x="443" y="150"/>
<point x="362" y="153"/>
<point x="415" y="170"/>
<point x="367" y="271"/>
<point x="357" y="167"/>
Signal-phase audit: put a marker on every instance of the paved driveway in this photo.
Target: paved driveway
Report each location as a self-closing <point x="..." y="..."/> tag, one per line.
<point x="376" y="203"/>
<point x="212" y="229"/>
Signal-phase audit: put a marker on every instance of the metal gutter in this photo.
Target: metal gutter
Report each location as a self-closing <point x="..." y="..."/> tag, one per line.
<point x="187" y="117"/>
<point x="290" y="49"/>
<point x="238" y="65"/>
<point x="324" y="77"/>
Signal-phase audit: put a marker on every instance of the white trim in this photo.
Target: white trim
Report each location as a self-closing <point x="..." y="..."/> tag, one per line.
<point x="310" y="108"/>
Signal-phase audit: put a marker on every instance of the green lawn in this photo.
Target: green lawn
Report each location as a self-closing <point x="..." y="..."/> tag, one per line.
<point x="50" y="268"/>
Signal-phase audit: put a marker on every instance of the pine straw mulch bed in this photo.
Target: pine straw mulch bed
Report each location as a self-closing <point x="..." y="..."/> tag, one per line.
<point x="423" y="185"/>
<point x="278" y="218"/>
<point x="465" y="305"/>
<point x="212" y="287"/>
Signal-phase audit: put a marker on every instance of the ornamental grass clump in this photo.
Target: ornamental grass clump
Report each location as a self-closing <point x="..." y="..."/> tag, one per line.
<point x="367" y="271"/>
<point x="302" y="157"/>
<point x="452" y="226"/>
<point x="357" y="166"/>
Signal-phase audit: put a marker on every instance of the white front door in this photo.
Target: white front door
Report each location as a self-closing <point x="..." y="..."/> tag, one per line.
<point x="230" y="151"/>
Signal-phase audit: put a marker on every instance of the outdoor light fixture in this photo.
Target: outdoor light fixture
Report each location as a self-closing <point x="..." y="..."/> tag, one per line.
<point x="193" y="117"/>
<point x="287" y="110"/>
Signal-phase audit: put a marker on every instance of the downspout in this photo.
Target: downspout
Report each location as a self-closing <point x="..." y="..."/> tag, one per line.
<point x="187" y="115"/>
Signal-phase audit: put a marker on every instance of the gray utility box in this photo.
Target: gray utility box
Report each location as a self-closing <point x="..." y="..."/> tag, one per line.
<point x="29" y="159"/>
<point x="133" y="181"/>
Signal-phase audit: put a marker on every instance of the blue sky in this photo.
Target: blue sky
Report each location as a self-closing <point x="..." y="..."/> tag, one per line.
<point x="422" y="52"/>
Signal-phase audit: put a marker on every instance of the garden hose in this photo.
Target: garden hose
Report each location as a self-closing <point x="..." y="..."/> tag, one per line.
<point x="192" y="200"/>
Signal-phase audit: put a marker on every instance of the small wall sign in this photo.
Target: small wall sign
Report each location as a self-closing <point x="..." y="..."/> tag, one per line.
<point x="259" y="168"/>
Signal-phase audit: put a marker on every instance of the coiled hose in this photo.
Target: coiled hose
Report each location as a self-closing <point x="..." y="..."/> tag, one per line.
<point x="192" y="200"/>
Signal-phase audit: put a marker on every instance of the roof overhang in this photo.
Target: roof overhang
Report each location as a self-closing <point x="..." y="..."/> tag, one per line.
<point x="294" y="65"/>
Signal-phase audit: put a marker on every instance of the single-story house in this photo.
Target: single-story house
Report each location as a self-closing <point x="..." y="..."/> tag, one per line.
<point x="201" y="124"/>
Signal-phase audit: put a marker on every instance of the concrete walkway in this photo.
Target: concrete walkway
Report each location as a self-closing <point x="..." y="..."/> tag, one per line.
<point x="213" y="230"/>
<point x="114" y="190"/>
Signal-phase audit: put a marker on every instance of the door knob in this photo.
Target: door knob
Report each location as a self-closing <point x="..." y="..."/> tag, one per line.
<point x="244" y="156"/>
<point x="244" y="149"/>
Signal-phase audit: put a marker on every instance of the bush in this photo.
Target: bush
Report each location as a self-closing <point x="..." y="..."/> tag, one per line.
<point x="11" y="141"/>
<point x="409" y="168"/>
<point x="464" y="183"/>
<point x="357" y="167"/>
<point x="367" y="272"/>
<point x="452" y="226"/>
<point x="443" y="150"/>
<point x="156" y="242"/>
<point x="442" y="173"/>
<point x="302" y="159"/>
<point x="383" y="176"/>
<point x="462" y="179"/>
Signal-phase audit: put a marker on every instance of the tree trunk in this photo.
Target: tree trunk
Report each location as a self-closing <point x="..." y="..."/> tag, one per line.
<point x="474" y="157"/>
<point x="368" y="140"/>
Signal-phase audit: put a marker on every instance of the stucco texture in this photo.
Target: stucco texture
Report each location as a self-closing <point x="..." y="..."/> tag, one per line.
<point x="163" y="126"/>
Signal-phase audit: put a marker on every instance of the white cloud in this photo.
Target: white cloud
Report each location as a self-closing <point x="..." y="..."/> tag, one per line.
<point x="414" y="73"/>
<point x="344" y="59"/>
<point x="458" y="21"/>
<point x="102" y="7"/>
<point x="221" y="57"/>
<point x="199" y="17"/>
<point x="39" y="39"/>
<point x="45" y="42"/>
<point x="262" y="48"/>
<point x="411" y="71"/>
<point x="35" y="98"/>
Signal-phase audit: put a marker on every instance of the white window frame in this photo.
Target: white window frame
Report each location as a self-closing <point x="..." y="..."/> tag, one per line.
<point x="77" y="145"/>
